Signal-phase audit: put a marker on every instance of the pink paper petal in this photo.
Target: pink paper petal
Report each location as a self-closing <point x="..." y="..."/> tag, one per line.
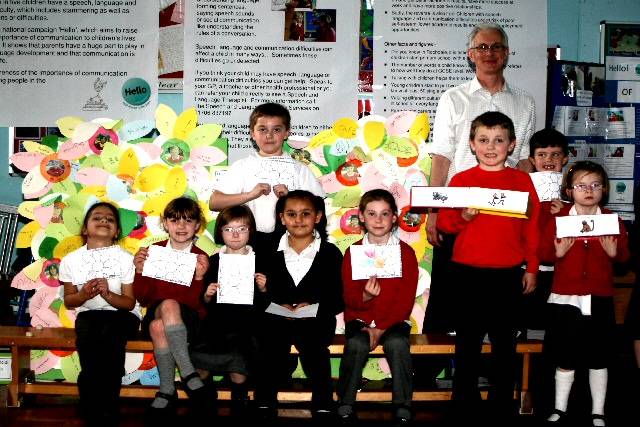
<point x="407" y="236"/>
<point x="196" y="174"/>
<point x="42" y="299"/>
<point x="317" y="155"/>
<point x="44" y="363"/>
<point x="22" y="282"/>
<point x="38" y="194"/>
<point x="153" y="151"/>
<point x="371" y="179"/>
<point x="26" y="161"/>
<point x="84" y="131"/>
<point x="298" y="142"/>
<point x="43" y="214"/>
<point x="92" y="176"/>
<point x="398" y="124"/>
<point x="207" y="156"/>
<point x="399" y="193"/>
<point x="72" y="150"/>
<point x="45" y="318"/>
<point x="330" y="183"/>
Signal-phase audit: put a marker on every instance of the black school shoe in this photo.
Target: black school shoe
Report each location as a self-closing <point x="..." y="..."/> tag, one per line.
<point x="155" y="417"/>
<point x="203" y="401"/>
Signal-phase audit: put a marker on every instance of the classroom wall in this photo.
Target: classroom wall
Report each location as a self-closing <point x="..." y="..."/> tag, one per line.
<point x="572" y="24"/>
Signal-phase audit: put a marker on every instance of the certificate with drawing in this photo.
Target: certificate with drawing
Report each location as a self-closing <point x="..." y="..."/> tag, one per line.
<point x="375" y="260"/>
<point x="100" y="263"/>
<point x="547" y="185"/>
<point x="170" y="265"/>
<point x="235" y="277"/>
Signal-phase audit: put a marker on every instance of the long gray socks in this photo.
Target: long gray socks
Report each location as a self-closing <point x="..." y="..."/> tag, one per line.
<point x="179" y="346"/>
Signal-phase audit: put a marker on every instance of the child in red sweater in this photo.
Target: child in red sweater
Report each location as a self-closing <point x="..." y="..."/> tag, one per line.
<point x="377" y="311"/>
<point x="174" y="311"/>
<point x="488" y="254"/>
<point x="581" y="299"/>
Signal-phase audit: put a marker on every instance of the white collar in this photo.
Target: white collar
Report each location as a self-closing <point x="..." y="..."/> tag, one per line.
<point x="223" y="250"/>
<point x="187" y="249"/>
<point x="573" y="211"/>
<point x="393" y="240"/>
<point x="475" y="86"/>
<point x="314" y="246"/>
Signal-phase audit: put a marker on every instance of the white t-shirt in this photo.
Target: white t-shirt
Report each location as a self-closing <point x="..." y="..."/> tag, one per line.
<point x="71" y="272"/>
<point x="460" y="105"/>
<point x="244" y="174"/>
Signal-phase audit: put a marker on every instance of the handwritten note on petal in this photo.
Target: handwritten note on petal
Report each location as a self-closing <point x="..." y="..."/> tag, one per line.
<point x="347" y="198"/>
<point x="330" y="183"/>
<point x="72" y="150"/>
<point x="70" y="366"/>
<point x="110" y="157"/>
<point x="398" y="124"/>
<point x="33" y="270"/>
<point x="56" y="230"/>
<point x="165" y="120"/>
<point x="22" y="282"/>
<point x="66" y="187"/>
<point x="151" y="150"/>
<point x="374" y="133"/>
<point x="99" y="191"/>
<point x="400" y="147"/>
<point x="35" y="147"/>
<point x="346" y="241"/>
<point x="203" y="135"/>
<point x="155" y="206"/>
<point x="185" y="123"/>
<point x="92" y="176"/>
<point x="67" y="125"/>
<point x="26" y="209"/>
<point x="207" y="156"/>
<point x="129" y="164"/>
<point x="136" y="129"/>
<point x="73" y="217"/>
<point x="43" y="214"/>
<point x="176" y="182"/>
<point x="84" y="131"/>
<point x="26" y="161"/>
<point x="325" y="137"/>
<point x="39" y="193"/>
<point x="345" y="128"/>
<point x="34" y="182"/>
<point x="151" y="177"/>
<point x="420" y="128"/>
<point x="342" y="146"/>
<point x="26" y="233"/>
<point x="399" y="193"/>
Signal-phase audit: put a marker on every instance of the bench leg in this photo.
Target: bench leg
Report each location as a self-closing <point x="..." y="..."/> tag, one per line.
<point x="526" y="406"/>
<point x="20" y="364"/>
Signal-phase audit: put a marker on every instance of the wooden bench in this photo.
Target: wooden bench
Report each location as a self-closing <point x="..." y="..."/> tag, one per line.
<point x="21" y="340"/>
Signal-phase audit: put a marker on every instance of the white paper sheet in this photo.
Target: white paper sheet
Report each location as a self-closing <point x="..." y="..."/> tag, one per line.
<point x="587" y="225"/>
<point x="375" y="260"/>
<point x="170" y="265"/>
<point x="548" y="185"/>
<point x="307" y="311"/>
<point x="235" y="277"/>
<point x="100" y="263"/>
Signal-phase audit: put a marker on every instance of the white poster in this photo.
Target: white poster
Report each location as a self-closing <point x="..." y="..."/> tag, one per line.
<point x="241" y="54"/>
<point x="420" y="50"/>
<point x="77" y="58"/>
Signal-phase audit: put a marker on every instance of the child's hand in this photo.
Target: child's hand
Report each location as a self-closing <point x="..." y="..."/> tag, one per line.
<point x="374" y="336"/>
<point x="211" y="291"/>
<point x="468" y="214"/>
<point x="371" y="289"/>
<point x="90" y="289"/>
<point x="610" y="245"/>
<point x="556" y="206"/>
<point x="280" y="190"/>
<point x="300" y="305"/>
<point x="260" y="189"/>
<point x="139" y="259"/>
<point x="261" y="281"/>
<point x="202" y="265"/>
<point x="563" y="245"/>
<point x="529" y="281"/>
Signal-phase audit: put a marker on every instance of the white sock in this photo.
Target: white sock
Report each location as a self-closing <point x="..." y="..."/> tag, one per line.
<point x="598" y="385"/>
<point x="564" y="381"/>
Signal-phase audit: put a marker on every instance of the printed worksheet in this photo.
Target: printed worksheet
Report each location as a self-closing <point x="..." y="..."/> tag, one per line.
<point x="375" y="260"/>
<point x="235" y="277"/>
<point x="170" y="265"/>
<point x="277" y="170"/>
<point x="100" y="263"/>
<point x="548" y="185"/>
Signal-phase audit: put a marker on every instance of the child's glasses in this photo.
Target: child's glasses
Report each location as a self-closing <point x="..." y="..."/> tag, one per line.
<point x="594" y="186"/>
<point x="484" y="48"/>
<point x="240" y="230"/>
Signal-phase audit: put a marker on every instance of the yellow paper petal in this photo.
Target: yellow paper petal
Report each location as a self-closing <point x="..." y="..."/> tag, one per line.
<point x="26" y="209"/>
<point x="345" y="128"/>
<point x="348" y="197"/>
<point x="148" y="241"/>
<point x="100" y="191"/>
<point x="111" y="124"/>
<point x="65" y="320"/>
<point x="57" y="231"/>
<point x="156" y="205"/>
<point x="203" y="135"/>
<point x="347" y="241"/>
<point x="26" y="233"/>
<point x="420" y="128"/>
<point x="185" y="123"/>
<point x="420" y="246"/>
<point x="208" y="215"/>
<point x="165" y="120"/>
<point x="374" y="134"/>
<point x="110" y="157"/>
<point x="151" y="177"/>
<point x="327" y="136"/>
<point x="36" y="147"/>
<point x="67" y="245"/>
<point x="67" y="125"/>
<point x="33" y="270"/>
<point x="206" y="244"/>
<point x="129" y="164"/>
<point x="176" y="182"/>
<point x="130" y="245"/>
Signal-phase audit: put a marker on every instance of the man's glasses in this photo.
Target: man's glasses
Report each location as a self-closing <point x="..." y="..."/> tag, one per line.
<point x="594" y="186"/>
<point x="484" y="48"/>
<point x="240" y="230"/>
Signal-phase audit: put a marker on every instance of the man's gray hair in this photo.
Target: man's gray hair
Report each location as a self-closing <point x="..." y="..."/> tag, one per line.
<point x="483" y="26"/>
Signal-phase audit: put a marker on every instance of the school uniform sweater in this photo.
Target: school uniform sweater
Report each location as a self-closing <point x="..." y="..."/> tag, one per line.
<point x="148" y="290"/>
<point x="586" y="269"/>
<point x="494" y="241"/>
<point x="322" y="284"/>
<point x="397" y="294"/>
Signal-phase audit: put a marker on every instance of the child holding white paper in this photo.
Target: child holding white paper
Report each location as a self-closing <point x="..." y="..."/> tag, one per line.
<point x="174" y="312"/>
<point x="305" y="270"/>
<point x="227" y="338"/>
<point x="377" y="311"/>
<point x="487" y="258"/>
<point x="107" y="314"/>
<point x="581" y="300"/>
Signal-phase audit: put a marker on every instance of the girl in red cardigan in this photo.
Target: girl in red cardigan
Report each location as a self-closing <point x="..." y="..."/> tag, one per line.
<point x="581" y="300"/>
<point x="377" y="311"/>
<point x="174" y="311"/>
